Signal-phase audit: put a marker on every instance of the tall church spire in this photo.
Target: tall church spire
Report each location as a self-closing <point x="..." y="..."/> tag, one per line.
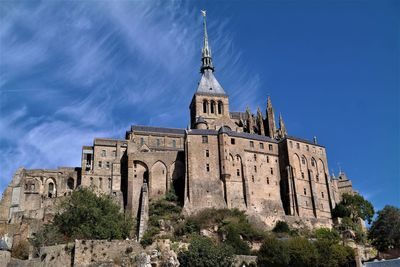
<point x="206" y="60"/>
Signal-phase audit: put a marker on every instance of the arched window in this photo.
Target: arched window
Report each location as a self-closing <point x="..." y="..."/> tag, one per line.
<point x="70" y="183"/>
<point x="303" y="160"/>
<point x="205" y="106"/>
<point x="220" y="107"/>
<point x="101" y="183"/>
<point x="212" y="107"/>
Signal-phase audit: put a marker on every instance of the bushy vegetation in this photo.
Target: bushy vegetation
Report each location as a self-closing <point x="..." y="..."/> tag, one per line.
<point x="84" y="215"/>
<point x="351" y="209"/>
<point x="299" y="251"/>
<point x="204" y="251"/>
<point x="385" y="230"/>
<point x="354" y="206"/>
<point x="232" y="226"/>
<point x="167" y="210"/>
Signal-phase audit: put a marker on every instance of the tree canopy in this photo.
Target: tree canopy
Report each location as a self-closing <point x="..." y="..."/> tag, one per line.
<point x="385" y="230"/>
<point x="354" y="206"/>
<point x="84" y="215"/>
<point x="204" y="252"/>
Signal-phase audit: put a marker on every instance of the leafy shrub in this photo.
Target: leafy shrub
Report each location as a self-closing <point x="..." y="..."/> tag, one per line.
<point x="273" y="252"/>
<point x="149" y="236"/>
<point x="84" y="216"/>
<point x="327" y="234"/>
<point x="299" y="251"/>
<point x="204" y="252"/>
<point x="334" y="254"/>
<point x="232" y="224"/>
<point x="302" y="252"/>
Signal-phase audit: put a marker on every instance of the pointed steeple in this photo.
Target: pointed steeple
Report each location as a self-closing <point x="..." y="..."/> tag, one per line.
<point x="206" y="60"/>
<point x="282" y="128"/>
<point x="270" y="119"/>
<point x="250" y="124"/>
<point x="260" y="122"/>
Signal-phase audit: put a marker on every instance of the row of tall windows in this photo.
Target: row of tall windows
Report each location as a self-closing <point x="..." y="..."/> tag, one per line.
<point x="213" y="107"/>
<point x="270" y="147"/>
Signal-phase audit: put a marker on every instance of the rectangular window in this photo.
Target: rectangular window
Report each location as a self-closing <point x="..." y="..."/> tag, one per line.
<point x="307" y="148"/>
<point x="322" y="194"/>
<point x="100" y="164"/>
<point x="305" y="192"/>
<point x="107" y="165"/>
<point x="267" y="159"/>
<point x="141" y="141"/>
<point x="158" y="142"/>
<point x="302" y="175"/>
<point x="103" y="153"/>
<point x="173" y="143"/>
<point x="232" y="141"/>
<point x="270" y="147"/>
<point x="272" y="171"/>
<point x="207" y="153"/>
<point x="238" y="172"/>
<point x="291" y="144"/>
<point x="208" y="167"/>
<point x="251" y="144"/>
<point x="261" y="145"/>
<point x="255" y="168"/>
<point x="114" y="153"/>
<point x="204" y="139"/>
<point x="267" y="180"/>
<point x="298" y="145"/>
<point x="255" y="157"/>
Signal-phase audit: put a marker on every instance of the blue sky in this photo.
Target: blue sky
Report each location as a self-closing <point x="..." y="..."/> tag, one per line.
<point x="72" y="71"/>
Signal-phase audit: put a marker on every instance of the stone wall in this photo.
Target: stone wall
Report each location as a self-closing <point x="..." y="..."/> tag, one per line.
<point x="88" y="252"/>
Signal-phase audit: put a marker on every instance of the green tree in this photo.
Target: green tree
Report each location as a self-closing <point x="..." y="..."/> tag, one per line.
<point x="273" y="252"/>
<point x="84" y="215"/>
<point x="329" y="235"/>
<point x="203" y="252"/>
<point x="333" y="254"/>
<point x="354" y="206"/>
<point x="385" y="230"/>
<point x="302" y="252"/>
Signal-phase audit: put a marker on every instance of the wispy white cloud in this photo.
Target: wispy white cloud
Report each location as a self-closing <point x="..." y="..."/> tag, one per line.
<point x="85" y="70"/>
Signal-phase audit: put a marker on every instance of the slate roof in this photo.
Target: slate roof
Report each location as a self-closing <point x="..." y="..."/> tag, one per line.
<point x="141" y="128"/>
<point x="209" y="85"/>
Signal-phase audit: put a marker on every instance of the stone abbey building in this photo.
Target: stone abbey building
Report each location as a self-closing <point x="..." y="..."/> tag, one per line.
<point x="225" y="159"/>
